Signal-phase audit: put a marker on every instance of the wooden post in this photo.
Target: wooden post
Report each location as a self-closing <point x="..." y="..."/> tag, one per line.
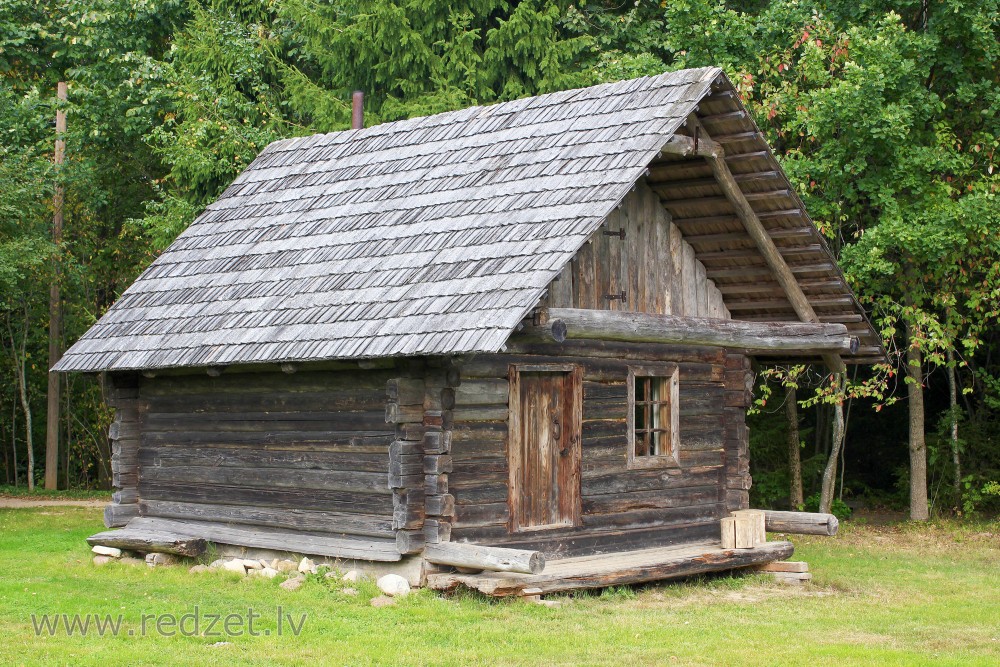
<point x="745" y="532"/>
<point x="782" y="273"/>
<point x="756" y="518"/>
<point x="55" y="306"/>
<point x="357" y="110"/>
<point x="728" y="532"/>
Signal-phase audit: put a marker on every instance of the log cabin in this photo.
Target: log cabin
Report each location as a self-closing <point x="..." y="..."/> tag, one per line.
<point x="487" y="338"/>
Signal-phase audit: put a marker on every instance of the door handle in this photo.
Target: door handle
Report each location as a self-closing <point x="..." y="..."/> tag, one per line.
<point x="556" y="429"/>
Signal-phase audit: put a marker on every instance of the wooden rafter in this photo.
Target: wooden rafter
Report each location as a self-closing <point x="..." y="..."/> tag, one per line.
<point x="782" y="273"/>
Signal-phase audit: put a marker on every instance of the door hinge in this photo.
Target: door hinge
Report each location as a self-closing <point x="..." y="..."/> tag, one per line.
<point x="620" y="233"/>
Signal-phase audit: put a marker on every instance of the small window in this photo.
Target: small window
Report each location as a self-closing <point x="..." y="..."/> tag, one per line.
<point x="653" y="416"/>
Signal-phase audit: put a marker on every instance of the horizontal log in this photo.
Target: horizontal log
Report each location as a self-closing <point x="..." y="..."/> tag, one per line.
<point x="617" y="570"/>
<point x="568" y="323"/>
<point x="259" y="537"/>
<point x="321" y="521"/>
<point x="149" y="541"/>
<point x="801" y="523"/>
<point x="481" y="557"/>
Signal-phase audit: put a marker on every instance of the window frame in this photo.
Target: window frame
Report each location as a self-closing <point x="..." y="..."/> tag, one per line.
<point x="671" y="460"/>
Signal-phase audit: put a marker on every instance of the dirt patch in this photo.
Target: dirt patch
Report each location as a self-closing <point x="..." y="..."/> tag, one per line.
<point x="20" y="503"/>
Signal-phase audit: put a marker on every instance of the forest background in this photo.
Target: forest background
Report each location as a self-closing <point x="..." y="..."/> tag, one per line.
<point x="885" y="115"/>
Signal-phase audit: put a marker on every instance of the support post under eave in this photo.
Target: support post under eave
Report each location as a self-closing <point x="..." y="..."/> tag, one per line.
<point x="782" y="273"/>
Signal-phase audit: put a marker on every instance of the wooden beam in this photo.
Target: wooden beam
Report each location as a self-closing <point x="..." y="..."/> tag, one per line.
<point x="479" y="557"/>
<point x="801" y="523"/>
<point x="685" y="146"/>
<point x="616" y="569"/>
<point x="772" y="256"/>
<point x="559" y="324"/>
<point x="149" y="541"/>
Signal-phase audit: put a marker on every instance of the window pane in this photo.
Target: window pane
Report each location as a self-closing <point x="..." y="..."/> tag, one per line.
<point x="652" y="426"/>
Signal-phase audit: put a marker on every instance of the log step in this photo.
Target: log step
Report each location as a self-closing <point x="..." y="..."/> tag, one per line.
<point x="613" y="569"/>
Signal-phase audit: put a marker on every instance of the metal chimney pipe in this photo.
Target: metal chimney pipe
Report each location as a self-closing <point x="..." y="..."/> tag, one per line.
<point x="357" y="110"/>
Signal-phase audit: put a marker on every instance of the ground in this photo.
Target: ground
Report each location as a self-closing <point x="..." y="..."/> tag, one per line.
<point x="882" y="595"/>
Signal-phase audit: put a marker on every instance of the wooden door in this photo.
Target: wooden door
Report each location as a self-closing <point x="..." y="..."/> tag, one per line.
<point x="545" y="447"/>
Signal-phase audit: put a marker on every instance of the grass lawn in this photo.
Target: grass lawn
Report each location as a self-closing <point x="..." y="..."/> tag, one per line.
<point x="886" y="595"/>
<point x="21" y="492"/>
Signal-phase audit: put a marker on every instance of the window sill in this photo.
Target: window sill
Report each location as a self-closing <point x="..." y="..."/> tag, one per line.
<point x="646" y="462"/>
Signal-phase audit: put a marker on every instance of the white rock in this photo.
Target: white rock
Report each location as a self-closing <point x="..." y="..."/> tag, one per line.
<point x="285" y="566"/>
<point x="293" y="584"/>
<point x="160" y="560"/>
<point x="393" y="585"/>
<point x="252" y="564"/>
<point x="306" y="566"/>
<point x="268" y="572"/>
<point x="114" y="552"/>
<point x="219" y="562"/>
<point x="351" y="576"/>
<point x="235" y="565"/>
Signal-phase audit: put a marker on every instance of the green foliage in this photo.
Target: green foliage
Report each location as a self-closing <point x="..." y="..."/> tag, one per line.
<point x="886" y="117"/>
<point x="838" y="508"/>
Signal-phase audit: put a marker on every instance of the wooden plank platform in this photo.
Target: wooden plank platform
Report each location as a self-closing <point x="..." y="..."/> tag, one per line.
<point x="627" y="567"/>
<point x="312" y="544"/>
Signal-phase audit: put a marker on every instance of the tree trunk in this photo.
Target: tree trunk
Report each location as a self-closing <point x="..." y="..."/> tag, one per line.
<point x="795" y="498"/>
<point x="55" y="311"/>
<point x="20" y="374"/>
<point x="836" y="439"/>
<point x="953" y="405"/>
<point x="918" y="447"/>
<point x="13" y="438"/>
<point x="26" y="408"/>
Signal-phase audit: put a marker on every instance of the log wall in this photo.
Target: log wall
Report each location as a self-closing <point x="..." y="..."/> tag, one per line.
<point x="652" y="264"/>
<point x="622" y="508"/>
<point x="307" y="451"/>
<point x="121" y="391"/>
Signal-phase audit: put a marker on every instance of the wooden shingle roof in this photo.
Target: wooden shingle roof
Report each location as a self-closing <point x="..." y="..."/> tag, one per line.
<point x="433" y="235"/>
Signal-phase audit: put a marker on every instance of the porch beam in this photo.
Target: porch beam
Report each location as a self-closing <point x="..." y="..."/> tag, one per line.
<point x="558" y="324"/>
<point x="782" y="273"/>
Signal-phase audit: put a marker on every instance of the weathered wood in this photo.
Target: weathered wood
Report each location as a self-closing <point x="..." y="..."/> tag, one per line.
<point x="746" y="532"/>
<point x="272" y="538"/>
<point x="116" y="515"/>
<point x="481" y="557"/>
<point x="728" y="530"/>
<point x="617" y="569"/>
<point x="801" y="523"/>
<point x="785" y="566"/>
<point x="769" y="250"/>
<point x="310" y="519"/>
<point x="149" y="541"/>
<point x="575" y="323"/>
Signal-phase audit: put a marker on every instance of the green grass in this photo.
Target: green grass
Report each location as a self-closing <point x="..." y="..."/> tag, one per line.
<point x="886" y="595"/>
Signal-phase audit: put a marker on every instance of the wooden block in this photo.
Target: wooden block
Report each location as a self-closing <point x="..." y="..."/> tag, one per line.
<point x="728" y="532"/>
<point x="785" y="566"/>
<point x="756" y="517"/>
<point x="791" y="578"/>
<point x="746" y="532"/>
